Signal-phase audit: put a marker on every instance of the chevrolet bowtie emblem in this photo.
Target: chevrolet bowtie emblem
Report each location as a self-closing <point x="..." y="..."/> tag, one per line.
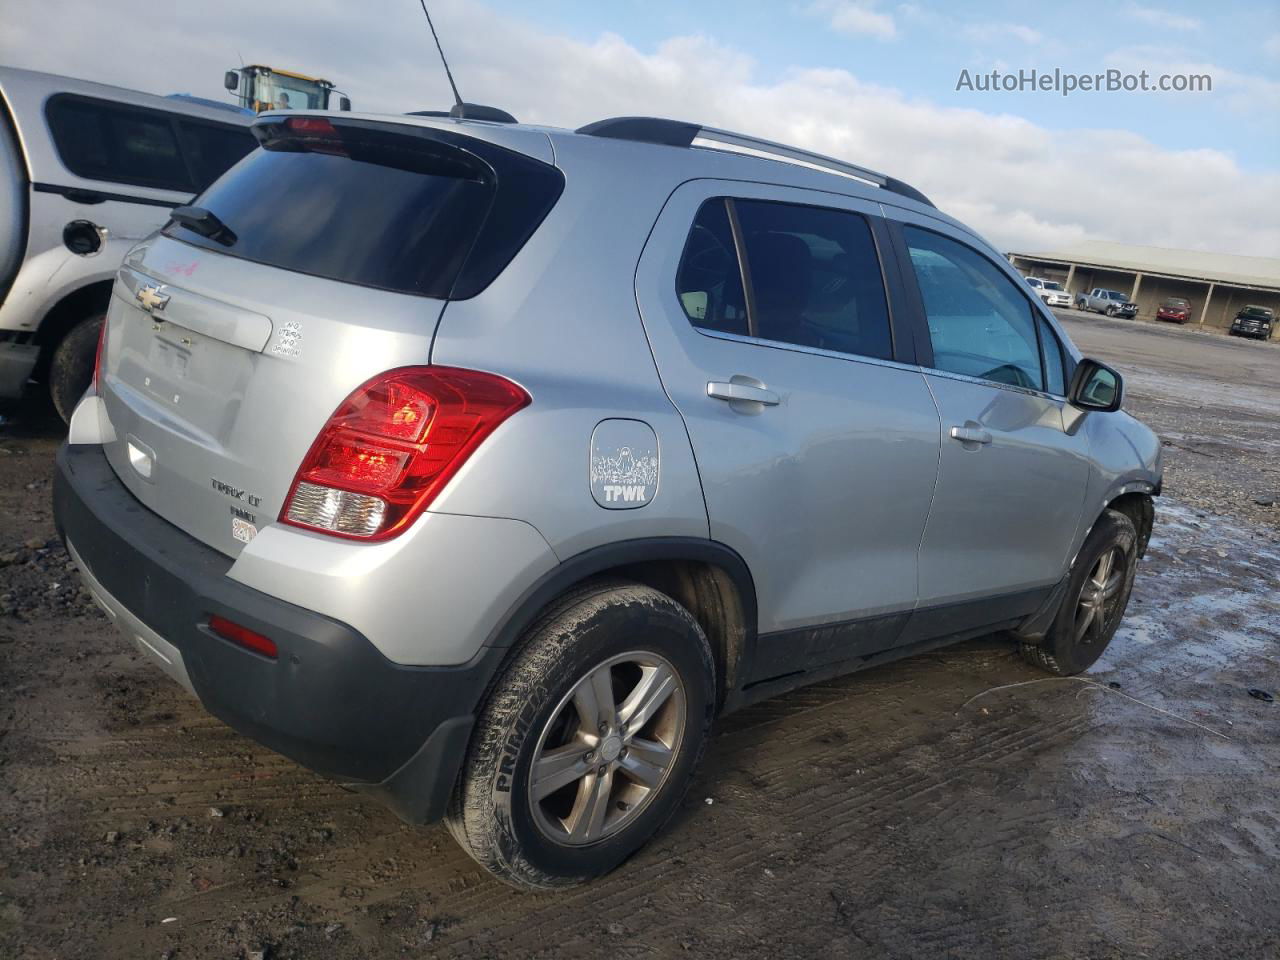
<point x="151" y="299"/>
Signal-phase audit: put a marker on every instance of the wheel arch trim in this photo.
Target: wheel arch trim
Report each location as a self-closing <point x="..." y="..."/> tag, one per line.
<point x="610" y="557"/>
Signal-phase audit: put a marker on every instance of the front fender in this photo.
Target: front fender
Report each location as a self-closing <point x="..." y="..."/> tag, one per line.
<point x="1126" y="459"/>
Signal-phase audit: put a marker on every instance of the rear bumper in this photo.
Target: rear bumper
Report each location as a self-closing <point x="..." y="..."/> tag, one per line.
<point x="331" y="701"/>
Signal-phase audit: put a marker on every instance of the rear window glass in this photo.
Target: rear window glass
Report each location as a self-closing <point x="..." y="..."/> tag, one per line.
<point x="413" y="211"/>
<point x="102" y="140"/>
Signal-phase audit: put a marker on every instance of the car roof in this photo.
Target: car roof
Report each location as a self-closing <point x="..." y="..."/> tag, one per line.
<point x="24" y="89"/>
<point x="681" y="163"/>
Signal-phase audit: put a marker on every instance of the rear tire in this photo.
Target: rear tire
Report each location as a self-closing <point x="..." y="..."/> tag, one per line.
<point x="71" y="368"/>
<point x="608" y="782"/>
<point x="1097" y="594"/>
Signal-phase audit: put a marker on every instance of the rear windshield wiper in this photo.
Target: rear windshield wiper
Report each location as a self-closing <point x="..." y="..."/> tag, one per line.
<point x="204" y="222"/>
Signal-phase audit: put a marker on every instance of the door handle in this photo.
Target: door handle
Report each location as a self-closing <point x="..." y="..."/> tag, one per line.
<point x="970" y="435"/>
<point x="741" y="391"/>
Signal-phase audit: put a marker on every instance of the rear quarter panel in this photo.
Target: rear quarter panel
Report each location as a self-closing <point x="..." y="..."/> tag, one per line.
<point x="562" y="321"/>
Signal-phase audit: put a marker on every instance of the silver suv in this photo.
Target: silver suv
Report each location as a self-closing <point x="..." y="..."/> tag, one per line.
<point x="482" y="465"/>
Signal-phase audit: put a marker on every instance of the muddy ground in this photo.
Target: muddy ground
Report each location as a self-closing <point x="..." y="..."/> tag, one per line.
<point x="954" y="804"/>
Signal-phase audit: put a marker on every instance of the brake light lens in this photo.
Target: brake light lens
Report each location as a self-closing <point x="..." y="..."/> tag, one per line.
<point x="243" y="636"/>
<point x="393" y="445"/>
<point x="311" y="125"/>
<point x="97" y="358"/>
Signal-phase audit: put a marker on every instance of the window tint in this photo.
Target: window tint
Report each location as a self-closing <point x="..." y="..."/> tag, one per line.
<point x="212" y="150"/>
<point x="427" y="212"/>
<point x="815" y="278"/>
<point x="709" y="281"/>
<point x="99" y="140"/>
<point x="1054" y="357"/>
<point x="980" y="323"/>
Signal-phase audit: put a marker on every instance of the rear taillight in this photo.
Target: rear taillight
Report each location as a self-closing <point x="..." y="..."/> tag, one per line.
<point x="97" y="357"/>
<point x="242" y="636"/>
<point x="392" y="446"/>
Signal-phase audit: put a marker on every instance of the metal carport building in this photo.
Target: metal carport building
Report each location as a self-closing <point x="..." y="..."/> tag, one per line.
<point x="1216" y="284"/>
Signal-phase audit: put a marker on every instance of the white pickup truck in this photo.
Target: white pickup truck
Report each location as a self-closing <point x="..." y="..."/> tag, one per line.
<point x="1050" y="291"/>
<point x="1111" y="302"/>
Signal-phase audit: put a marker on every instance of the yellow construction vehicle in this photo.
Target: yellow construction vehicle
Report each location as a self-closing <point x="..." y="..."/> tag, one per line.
<point x="260" y="88"/>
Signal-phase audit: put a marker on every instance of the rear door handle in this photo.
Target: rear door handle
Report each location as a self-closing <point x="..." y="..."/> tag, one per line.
<point x="741" y="391"/>
<point x="970" y="435"/>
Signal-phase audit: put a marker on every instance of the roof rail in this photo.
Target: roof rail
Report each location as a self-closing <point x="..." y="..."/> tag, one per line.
<point x="678" y="133"/>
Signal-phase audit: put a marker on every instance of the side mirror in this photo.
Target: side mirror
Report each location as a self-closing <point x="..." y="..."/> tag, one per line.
<point x="231" y="80"/>
<point x="344" y="103"/>
<point x="1095" y="386"/>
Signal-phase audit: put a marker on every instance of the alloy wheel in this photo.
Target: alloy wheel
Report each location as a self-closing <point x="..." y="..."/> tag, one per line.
<point x="607" y="749"/>
<point x="1100" y="596"/>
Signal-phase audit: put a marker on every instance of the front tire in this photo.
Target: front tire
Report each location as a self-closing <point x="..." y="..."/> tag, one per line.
<point x="71" y="369"/>
<point x="588" y="741"/>
<point x="1097" y="594"/>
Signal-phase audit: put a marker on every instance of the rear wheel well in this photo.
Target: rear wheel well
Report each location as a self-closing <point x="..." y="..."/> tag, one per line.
<point x="1140" y="508"/>
<point x="88" y="301"/>
<point x="709" y="593"/>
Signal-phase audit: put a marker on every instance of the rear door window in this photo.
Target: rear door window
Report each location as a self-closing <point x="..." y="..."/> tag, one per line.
<point x="709" y="281"/>
<point x="813" y="274"/>
<point x="980" y="323"/>
<point x="402" y="208"/>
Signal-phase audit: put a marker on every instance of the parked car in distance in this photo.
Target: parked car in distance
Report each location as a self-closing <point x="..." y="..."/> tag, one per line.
<point x="1111" y="302"/>
<point x="86" y="171"/>
<point x="1174" y="309"/>
<point x="1050" y="291"/>
<point x="1254" y="321"/>
<point x="376" y="488"/>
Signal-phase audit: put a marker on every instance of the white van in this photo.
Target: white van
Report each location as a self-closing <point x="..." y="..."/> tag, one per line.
<point x="86" y="171"/>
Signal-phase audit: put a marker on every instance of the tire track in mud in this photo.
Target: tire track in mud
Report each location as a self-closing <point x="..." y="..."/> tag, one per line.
<point x="836" y="817"/>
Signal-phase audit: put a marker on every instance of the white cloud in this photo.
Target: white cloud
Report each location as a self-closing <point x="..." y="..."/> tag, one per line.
<point x="1250" y="94"/>
<point x="1020" y="184"/>
<point x="1153" y="16"/>
<point x="1272" y="45"/>
<point x="856" y="17"/>
<point x="993" y="32"/>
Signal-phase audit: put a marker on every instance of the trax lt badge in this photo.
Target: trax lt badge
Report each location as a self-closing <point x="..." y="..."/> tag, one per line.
<point x="151" y="299"/>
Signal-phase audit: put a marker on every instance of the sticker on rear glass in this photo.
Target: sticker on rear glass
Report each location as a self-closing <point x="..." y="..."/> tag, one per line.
<point x="243" y="530"/>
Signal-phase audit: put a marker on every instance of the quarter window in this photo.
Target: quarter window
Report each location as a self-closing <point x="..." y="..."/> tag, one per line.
<point x="813" y="274"/>
<point x="102" y="140"/>
<point x="980" y="323"/>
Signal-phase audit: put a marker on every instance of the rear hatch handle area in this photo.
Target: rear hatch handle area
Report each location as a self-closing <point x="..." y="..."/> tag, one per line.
<point x="166" y="303"/>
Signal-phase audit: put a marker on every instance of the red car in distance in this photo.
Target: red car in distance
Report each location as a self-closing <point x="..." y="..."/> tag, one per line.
<point x="1175" y="309"/>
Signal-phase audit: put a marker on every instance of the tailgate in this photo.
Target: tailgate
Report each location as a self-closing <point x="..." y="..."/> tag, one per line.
<point x="216" y="395"/>
<point x="322" y="259"/>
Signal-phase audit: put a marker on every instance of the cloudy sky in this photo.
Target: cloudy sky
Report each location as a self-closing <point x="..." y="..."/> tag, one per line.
<point x="873" y="81"/>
